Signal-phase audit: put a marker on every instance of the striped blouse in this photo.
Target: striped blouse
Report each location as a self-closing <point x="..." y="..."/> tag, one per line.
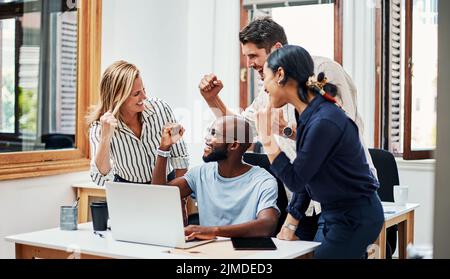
<point x="134" y="159"/>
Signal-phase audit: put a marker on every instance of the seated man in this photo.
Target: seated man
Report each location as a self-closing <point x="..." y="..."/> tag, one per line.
<point x="234" y="199"/>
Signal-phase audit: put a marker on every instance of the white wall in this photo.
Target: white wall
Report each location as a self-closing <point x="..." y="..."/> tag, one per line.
<point x="28" y="205"/>
<point x="359" y="58"/>
<point x="419" y="176"/>
<point x="175" y="43"/>
<point x="153" y="35"/>
<point x="442" y="208"/>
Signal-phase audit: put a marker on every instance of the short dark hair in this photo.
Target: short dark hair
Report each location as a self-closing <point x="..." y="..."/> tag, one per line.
<point x="264" y="33"/>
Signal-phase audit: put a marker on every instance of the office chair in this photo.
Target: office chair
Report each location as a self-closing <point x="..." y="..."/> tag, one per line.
<point x="58" y="141"/>
<point x="261" y="160"/>
<point x="387" y="172"/>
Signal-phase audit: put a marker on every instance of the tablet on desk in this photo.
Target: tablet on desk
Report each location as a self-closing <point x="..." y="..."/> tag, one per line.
<point x="253" y="243"/>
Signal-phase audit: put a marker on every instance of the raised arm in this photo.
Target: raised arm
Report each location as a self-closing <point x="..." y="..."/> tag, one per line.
<point x="102" y="154"/>
<point x="210" y="86"/>
<point x="264" y="225"/>
<point x="171" y="134"/>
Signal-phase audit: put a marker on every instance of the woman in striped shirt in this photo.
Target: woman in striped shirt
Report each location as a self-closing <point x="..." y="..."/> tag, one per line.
<point x="125" y="130"/>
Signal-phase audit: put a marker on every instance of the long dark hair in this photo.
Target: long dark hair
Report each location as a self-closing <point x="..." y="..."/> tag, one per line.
<point x="298" y="65"/>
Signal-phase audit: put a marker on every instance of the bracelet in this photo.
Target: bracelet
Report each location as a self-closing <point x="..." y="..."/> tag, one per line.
<point x="290" y="227"/>
<point x="162" y="153"/>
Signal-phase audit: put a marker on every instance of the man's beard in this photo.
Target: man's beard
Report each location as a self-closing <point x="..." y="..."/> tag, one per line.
<point x="216" y="155"/>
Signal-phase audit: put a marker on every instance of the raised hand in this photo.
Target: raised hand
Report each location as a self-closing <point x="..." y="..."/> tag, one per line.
<point x="109" y="124"/>
<point x="279" y="121"/>
<point x="264" y="124"/>
<point x="210" y="86"/>
<point x="171" y="134"/>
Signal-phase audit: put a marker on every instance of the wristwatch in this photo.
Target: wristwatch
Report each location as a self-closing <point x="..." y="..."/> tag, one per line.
<point x="290" y="226"/>
<point x="162" y="153"/>
<point x="287" y="132"/>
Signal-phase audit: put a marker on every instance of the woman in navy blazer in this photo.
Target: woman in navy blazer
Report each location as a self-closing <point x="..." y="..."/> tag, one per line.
<point x="331" y="165"/>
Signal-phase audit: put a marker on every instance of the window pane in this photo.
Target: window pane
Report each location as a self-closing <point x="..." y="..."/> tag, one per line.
<point x="424" y="79"/>
<point x="7" y="79"/>
<point x="309" y="26"/>
<point x="38" y="47"/>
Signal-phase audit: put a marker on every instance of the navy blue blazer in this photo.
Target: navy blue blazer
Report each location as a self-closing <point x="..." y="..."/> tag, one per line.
<point x="331" y="165"/>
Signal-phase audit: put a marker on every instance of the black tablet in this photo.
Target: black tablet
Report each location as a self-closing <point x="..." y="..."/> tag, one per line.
<point x="253" y="243"/>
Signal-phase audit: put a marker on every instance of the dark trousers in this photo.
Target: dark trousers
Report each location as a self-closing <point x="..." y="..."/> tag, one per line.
<point x="346" y="229"/>
<point x="307" y="228"/>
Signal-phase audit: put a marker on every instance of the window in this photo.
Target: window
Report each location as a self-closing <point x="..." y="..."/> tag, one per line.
<point x="301" y="21"/>
<point x="49" y="61"/>
<point x="409" y="77"/>
<point x="39" y="75"/>
<point x="310" y="26"/>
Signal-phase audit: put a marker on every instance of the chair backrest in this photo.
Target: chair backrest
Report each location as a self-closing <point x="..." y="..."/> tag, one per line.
<point x="57" y="141"/>
<point x="261" y="160"/>
<point x="387" y="173"/>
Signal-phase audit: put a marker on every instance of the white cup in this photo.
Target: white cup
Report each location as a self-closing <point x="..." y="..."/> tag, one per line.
<point x="400" y="194"/>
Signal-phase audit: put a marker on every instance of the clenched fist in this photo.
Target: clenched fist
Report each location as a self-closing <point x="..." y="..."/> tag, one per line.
<point x="109" y="124"/>
<point x="210" y="86"/>
<point x="171" y="134"/>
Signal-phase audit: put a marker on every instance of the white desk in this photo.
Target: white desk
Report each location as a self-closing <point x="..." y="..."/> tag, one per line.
<point x="55" y="243"/>
<point x="403" y="216"/>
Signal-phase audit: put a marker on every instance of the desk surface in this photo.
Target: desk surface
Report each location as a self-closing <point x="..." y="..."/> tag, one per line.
<point x="392" y="210"/>
<point x="85" y="241"/>
<point x="88" y="185"/>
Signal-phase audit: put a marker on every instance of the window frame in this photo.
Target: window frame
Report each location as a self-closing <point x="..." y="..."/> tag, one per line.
<point x="338" y="48"/>
<point x="408" y="152"/>
<point x="41" y="163"/>
<point x="382" y="132"/>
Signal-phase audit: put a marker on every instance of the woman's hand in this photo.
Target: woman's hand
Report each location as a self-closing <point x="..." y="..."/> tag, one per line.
<point x="264" y="125"/>
<point x="171" y="134"/>
<point x="199" y="232"/>
<point x="287" y="234"/>
<point x="109" y="124"/>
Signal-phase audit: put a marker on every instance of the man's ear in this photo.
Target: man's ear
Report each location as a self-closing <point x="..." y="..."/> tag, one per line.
<point x="234" y="146"/>
<point x="276" y="46"/>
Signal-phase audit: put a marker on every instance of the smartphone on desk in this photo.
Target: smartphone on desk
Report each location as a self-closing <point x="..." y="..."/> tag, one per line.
<point x="253" y="243"/>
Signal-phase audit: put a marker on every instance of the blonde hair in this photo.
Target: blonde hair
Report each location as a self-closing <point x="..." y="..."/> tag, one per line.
<point x="115" y="87"/>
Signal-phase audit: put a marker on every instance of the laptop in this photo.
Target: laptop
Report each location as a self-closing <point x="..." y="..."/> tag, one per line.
<point x="149" y="214"/>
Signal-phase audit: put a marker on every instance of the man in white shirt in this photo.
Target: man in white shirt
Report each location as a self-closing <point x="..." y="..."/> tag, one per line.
<point x="258" y="40"/>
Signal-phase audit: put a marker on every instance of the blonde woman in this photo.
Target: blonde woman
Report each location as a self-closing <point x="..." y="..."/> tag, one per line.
<point x="125" y="130"/>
